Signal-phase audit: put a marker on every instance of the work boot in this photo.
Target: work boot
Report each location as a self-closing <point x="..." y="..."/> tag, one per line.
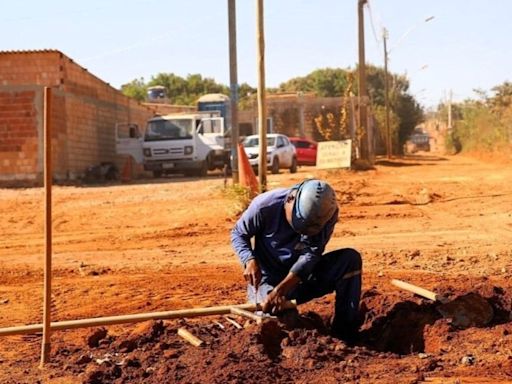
<point x="345" y="331"/>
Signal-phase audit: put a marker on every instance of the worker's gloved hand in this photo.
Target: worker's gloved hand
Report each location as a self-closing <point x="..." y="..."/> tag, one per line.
<point x="274" y="302"/>
<point x="252" y="273"/>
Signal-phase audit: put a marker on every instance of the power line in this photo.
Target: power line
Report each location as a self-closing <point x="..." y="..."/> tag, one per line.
<point x="375" y="35"/>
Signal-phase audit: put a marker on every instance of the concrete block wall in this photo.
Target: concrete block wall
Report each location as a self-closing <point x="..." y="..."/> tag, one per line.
<point x="85" y="111"/>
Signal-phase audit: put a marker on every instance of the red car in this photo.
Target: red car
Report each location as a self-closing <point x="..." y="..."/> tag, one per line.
<point x="306" y="150"/>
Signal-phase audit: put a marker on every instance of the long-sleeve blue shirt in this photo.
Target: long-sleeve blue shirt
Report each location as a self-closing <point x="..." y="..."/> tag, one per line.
<point x="277" y="247"/>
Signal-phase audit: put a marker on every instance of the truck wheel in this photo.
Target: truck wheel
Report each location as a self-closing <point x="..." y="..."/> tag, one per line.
<point x="275" y="166"/>
<point x="209" y="162"/>
<point x="293" y="168"/>
<point x="157" y="174"/>
<point x="203" y="171"/>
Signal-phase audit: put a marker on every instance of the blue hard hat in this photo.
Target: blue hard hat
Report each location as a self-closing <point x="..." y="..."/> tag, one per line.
<point x="315" y="203"/>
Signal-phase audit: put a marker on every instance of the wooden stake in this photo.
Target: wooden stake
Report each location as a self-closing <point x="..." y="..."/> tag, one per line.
<point x="419" y="291"/>
<point x="233" y="322"/>
<point x="47" y="294"/>
<point x="196" y="342"/>
<point x="124" y="319"/>
<point x="249" y="315"/>
<point x="220" y="325"/>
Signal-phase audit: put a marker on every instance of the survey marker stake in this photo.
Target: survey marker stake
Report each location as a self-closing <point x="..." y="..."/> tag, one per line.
<point x="220" y="325"/>
<point x="247" y="314"/>
<point x="196" y="342"/>
<point x="233" y="322"/>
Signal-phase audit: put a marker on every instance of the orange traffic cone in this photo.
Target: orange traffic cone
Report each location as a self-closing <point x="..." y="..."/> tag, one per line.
<point x="246" y="175"/>
<point x="126" y="175"/>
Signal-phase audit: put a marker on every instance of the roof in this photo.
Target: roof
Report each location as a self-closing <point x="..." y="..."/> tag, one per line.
<point x="30" y="51"/>
<point x="213" y="97"/>
<point x="176" y="115"/>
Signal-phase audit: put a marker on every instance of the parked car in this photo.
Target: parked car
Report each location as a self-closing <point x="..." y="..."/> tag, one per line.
<point x="281" y="154"/>
<point x="306" y="150"/>
<point x="418" y="141"/>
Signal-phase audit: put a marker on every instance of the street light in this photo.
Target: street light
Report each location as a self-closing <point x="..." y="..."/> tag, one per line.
<point x="385" y="36"/>
<point x="410" y="30"/>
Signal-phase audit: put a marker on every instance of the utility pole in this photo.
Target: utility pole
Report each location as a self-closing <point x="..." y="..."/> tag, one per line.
<point x="450" y="110"/>
<point x="262" y="113"/>
<point x="233" y="79"/>
<point x="389" y="147"/>
<point x="362" y="83"/>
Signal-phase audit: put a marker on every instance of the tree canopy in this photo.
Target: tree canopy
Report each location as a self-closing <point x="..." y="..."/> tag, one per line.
<point x="179" y="90"/>
<point x="482" y="124"/>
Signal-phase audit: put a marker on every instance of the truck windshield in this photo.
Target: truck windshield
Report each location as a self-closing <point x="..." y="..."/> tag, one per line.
<point x="174" y="129"/>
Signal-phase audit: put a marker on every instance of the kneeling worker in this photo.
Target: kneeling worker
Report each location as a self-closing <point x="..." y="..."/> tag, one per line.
<point x="291" y="228"/>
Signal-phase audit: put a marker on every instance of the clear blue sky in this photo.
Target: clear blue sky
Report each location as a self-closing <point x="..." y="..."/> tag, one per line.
<point x="466" y="45"/>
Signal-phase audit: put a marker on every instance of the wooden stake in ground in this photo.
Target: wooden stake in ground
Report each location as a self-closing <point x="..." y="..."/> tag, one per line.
<point x="238" y="326"/>
<point x="196" y="342"/>
<point x="247" y="314"/>
<point x="419" y="291"/>
<point x="46" y="346"/>
<point x="220" y="325"/>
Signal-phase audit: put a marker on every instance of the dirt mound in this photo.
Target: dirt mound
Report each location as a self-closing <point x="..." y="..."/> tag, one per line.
<point x="284" y="351"/>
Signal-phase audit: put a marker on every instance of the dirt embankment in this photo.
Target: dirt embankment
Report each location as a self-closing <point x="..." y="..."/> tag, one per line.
<point x="444" y="223"/>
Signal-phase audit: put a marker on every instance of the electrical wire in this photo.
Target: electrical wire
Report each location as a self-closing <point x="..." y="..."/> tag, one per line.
<point x="372" y="23"/>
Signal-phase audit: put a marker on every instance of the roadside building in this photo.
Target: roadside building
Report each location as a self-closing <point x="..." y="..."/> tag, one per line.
<point x="84" y="114"/>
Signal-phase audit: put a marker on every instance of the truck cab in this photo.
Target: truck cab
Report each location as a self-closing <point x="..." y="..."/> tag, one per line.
<point x="189" y="144"/>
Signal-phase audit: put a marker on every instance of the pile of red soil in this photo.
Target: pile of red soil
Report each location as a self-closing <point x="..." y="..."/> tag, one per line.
<point x="405" y="338"/>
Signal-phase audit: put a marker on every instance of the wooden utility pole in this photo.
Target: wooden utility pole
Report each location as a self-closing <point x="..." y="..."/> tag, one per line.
<point x="47" y="301"/>
<point x="233" y="79"/>
<point x="389" y="145"/>
<point x="450" y="110"/>
<point x="262" y="112"/>
<point x="363" y="119"/>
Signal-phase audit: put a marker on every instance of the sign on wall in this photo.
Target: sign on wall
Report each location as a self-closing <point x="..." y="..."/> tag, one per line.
<point x="334" y="154"/>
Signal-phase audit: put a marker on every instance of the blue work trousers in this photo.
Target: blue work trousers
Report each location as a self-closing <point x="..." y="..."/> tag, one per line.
<point x="337" y="271"/>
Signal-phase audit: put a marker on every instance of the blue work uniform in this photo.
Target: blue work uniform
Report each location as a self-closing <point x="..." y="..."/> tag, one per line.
<point x="279" y="250"/>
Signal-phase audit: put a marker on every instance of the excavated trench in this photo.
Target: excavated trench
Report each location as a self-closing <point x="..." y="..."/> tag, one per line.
<point x="406" y="327"/>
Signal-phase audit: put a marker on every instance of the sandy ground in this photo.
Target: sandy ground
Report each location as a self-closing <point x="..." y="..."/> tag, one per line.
<point x="444" y="223"/>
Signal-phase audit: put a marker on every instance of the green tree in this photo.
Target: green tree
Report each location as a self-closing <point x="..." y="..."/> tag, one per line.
<point x="136" y="89"/>
<point x="482" y="124"/>
<point x="502" y="98"/>
<point x="179" y="90"/>
<point x="246" y="96"/>
<point x="327" y="82"/>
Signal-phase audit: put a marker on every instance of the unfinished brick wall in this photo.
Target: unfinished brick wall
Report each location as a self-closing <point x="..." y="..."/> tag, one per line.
<point x="19" y="133"/>
<point x="84" y="114"/>
<point x="167" y="109"/>
<point x="294" y="116"/>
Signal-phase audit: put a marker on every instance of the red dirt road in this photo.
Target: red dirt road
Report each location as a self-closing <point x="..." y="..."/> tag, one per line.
<point x="444" y="223"/>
